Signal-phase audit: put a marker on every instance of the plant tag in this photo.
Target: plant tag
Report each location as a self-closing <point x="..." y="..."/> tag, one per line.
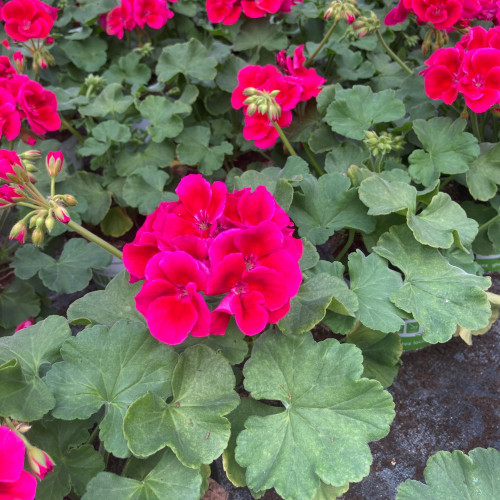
<point x="489" y="263"/>
<point x="411" y="336"/>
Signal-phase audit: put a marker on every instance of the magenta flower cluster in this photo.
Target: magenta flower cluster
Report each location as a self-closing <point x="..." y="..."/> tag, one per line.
<point x="237" y="247"/>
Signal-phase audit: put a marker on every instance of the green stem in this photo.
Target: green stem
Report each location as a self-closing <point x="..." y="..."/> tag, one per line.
<point x="348" y="244"/>
<point x="28" y="205"/>
<point x="475" y="125"/>
<point x="52" y="186"/>
<point x="72" y="129"/>
<point x="92" y="436"/>
<point x="484" y="226"/>
<point x="3" y="218"/>
<point x="313" y="161"/>
<point x="392" y="54"/>
<point x="446" y="181"/>
<point x="378" y="164"/>
<point x="286" y="142"/>
<point x="94" y="238"/>
<point x="322" y="43"/>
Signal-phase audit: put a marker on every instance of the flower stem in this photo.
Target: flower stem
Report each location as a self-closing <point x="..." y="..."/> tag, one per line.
<point x="72" y="129"/>
<point x="392" y="54"/>
<point x="313" y="161"/>
<point x="94" y="238"/>
<point x="286" y="142"/>
<point x="322" y="44"/>
<point x="52" y="186"/>
<point x="487" y="224"/>
<point x="475" y="125"/>
<point x="348" y="244"/>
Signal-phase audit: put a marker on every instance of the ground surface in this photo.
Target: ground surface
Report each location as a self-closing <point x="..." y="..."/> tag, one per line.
<point x="447" y="397"/>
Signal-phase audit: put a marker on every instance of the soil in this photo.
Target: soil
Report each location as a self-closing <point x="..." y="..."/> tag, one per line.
<point x="447" y="397"/>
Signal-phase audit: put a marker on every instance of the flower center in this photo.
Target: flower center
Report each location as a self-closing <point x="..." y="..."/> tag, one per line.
<point x="478" y="81"/>
<point x="250" y="262"/>
<point x="26" y="24"/>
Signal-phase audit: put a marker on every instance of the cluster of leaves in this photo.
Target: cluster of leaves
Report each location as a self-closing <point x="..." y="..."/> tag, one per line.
<point x="397" y="231"/>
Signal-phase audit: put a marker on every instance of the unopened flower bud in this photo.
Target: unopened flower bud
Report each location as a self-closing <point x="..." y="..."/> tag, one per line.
<point x="274" y="93"/>
<point x="18" y="61"/>
<point x="252" y="108"/>
<point x="32" y="154"/>
<point x="61" y="214"/>
<point x="54" y="162"/>
<point x="342" y="9"/>
<point x="250" y="91"/>
<point x="366" y="25"/>
<point x="69" y="200"/>
<point x="50" y="222"/>
<point x="41" y="463"/>
<point x="40" y="222"/>
<point x="37" y="237"/>
<point x="18" y="232"/>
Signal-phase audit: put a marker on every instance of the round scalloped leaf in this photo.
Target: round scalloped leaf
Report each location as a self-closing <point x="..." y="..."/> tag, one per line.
<point x="113" y="368"/>
<point x="168" y="480"/>
<point x="329" y="416"/>
<point x="440" y="296"/>
<point x="456" y="476"/>
<point x="193" y="423"/>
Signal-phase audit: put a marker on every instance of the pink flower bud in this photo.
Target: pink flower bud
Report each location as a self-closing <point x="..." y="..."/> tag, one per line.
<point x="49" y="40"/>
<point x="41" y="464"/>
<point x="54" y="162"/>
<point x="25" y="324"/>
<point x="18" y="232"/>
<point x="18" y="61"/>
<point x="61" y="214"/>
<point x="6" y="44"/>
<point x="30" y="141"/>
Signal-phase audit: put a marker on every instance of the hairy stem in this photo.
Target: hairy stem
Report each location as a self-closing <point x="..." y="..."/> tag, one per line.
<point x="94" y="238"/>
<point x="322" y="44"/>
<point x="392" y="54"/>
<point x="286" y="142"/>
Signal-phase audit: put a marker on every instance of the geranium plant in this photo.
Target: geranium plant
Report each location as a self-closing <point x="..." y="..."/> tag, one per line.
<point x="286" y="186"/>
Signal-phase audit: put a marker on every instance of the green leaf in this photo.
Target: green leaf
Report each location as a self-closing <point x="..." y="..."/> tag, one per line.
<point x="76" y="463"/>
<point x="23" y="393"/>
<point x="116" y="222"/>
<point x="168" y="480"/>
<point x="343" y="156"/>
<point x="310" y="256"/>
<point x="88" y="54"/>
<point x="447" y="149"/>
<point x="453" y="476"/>
<point x="383" y="197"/>
<point x="71" y="273"/>
<point x="227" y="76"/>
<point x="128" y="70"/>
<point x="257" y="33"/>
<point x="89" y="187"/>
<point x="232" y="344"/>
<point x="157" y="155"/>
<point x="357" y="109"/>
<point x="443" y="223"/>
<point x="246" y="408"/>
<point x="483" y="176"/>
<point x="439" y="295"/>
<point x="106" y="307"/>
<point x="327" y="492"/>
<point x="111" y="367"/>
<point x="322" y="432"/>
<point x="327" y="205"/>
<point x="147" y="193"/>
<point x="163" y="115"/>
<point x="308" y="307"/>
<point x="190" y="59"/>
<point x="374" y="283"/>
<point x="193" y="149"/>
<point x="109" y="102"/>
<point x="18" y="302"/>
<point x="381" y="353"/>
<point x="193" y="424"/>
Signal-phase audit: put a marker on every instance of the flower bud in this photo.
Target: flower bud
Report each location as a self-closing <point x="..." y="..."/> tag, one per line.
<point x="18" y="232"/>
<point x="252" y="108"/>
<point x="54" y="162"/>
<point x="32" y="154"/>
<point x="250" y="91"/>
<point x="18" y="61"/>
<point x="37" y="237"/>
<point x="50" y="222"/>
<point x="61" y="214"/>
<point x="69" y="200"/>
<point x="41" y="463"/>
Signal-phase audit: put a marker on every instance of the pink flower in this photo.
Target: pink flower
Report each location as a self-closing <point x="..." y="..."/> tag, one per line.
<point x="308" y="80"/>
<point x="120" y="18"/>
<point x="9" y="194"/>
<point x="25" y="324"/>
<point x="10" y="120"/>
<point x="18" y="61"/>
<point x="259" y="8"/>
<point x="8" y="159"/>
<point x="442" y="14"/>
<point x="6" y="43"/>
<point x="480" y="80"/>
<point x="40" y="463"/>
<point x="40" y="107"/>
<point x="399" y="13"/>
<point x="15" y="483"/>
<point x="442" y="75"/>
<point x="223" y="11"/>
<point x="27" y="19"/>
<point x="154" y="13"/>
<point x="170" y="299"/>
<point x="6" y="68"/>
